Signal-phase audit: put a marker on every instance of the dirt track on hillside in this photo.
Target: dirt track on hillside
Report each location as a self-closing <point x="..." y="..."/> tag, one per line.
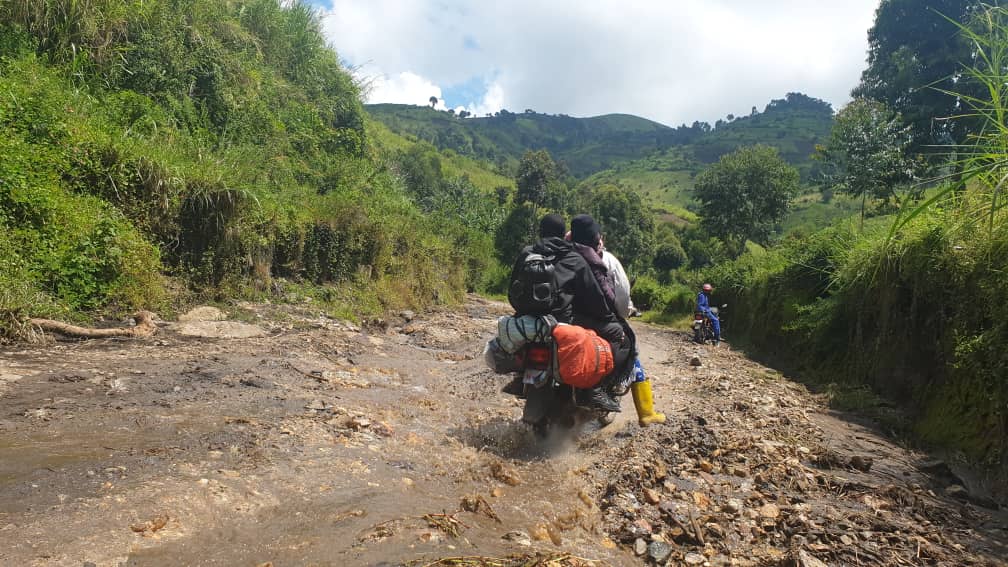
<point x="323" y="443"/>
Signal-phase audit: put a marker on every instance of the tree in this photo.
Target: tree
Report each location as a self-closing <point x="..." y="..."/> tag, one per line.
<point x="745" y="195"/>
<point x="628" y="225"/>
<point x="539" y="181"/>
<point x="866" y="155"/>
<point x="519" y="229"/>
<point x="914" y="59"/>
<point x="701" y="126"/>
<point x="420" y="169"/>
<point x="669" y="254"/>
<point x="433" y="101"/>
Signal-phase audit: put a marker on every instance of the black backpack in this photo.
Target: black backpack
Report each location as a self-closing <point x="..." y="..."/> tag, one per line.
<point x="533" y="291"/>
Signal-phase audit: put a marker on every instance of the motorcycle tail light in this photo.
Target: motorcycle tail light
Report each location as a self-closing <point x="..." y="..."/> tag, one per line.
<point x="538" y="356"/>
<point x="698" y="317"/>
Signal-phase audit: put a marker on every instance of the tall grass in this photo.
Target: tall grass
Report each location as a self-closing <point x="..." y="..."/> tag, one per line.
<point x="981" y="162"/>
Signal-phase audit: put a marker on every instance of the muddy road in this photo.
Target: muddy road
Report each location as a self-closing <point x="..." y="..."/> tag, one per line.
<point x="294" y="439"/>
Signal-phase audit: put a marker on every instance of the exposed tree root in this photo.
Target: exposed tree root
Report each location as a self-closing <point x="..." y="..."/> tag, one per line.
<point x="145" y="327"/>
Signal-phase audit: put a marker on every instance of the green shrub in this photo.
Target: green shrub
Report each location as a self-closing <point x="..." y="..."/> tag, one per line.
<point x="917" y="318"/>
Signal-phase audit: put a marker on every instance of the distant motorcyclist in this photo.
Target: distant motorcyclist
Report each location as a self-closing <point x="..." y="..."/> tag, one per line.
<point x="703" y="306"/>
<point x="580" y="299"/>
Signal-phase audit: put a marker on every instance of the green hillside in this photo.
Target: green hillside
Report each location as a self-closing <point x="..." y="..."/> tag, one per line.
<point x="793" y="125"/>
<point x="157" y="153"/>
<point x="585" y="145"/>
<point x="480" y="173"/>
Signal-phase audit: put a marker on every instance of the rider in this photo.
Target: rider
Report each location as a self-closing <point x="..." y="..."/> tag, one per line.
<point x="703" y="306"/>
<point x="587" y="237"/>
<point x="580" y="300"/>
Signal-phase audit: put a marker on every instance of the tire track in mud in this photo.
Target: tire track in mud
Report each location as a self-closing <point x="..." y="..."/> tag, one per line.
<point x="325" y="443"/>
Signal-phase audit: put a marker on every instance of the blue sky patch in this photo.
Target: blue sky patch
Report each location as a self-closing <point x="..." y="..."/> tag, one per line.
<point x="470" y="92"/>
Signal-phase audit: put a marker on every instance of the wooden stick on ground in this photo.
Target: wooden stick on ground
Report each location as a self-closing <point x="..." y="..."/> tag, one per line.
<point x="145" y="327"/>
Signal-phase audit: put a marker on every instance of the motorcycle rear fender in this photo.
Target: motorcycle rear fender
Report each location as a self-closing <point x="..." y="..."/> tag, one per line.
<point x="538" y="402"/>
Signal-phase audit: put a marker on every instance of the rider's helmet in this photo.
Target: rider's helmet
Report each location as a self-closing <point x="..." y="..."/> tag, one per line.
<point x="708" y="287"/>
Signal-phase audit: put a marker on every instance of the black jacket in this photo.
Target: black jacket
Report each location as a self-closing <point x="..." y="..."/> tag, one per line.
<point x="580" y="300"/>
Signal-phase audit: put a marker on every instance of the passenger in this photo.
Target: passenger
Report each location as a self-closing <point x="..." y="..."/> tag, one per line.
<point x="608" y="271"/>
<point x="579" y="300"/>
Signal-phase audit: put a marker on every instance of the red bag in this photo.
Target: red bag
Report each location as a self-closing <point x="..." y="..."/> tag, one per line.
<point x="583" y="357"/>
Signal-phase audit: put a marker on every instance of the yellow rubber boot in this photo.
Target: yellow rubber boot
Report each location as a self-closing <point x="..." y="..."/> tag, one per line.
<point x="643" y="400"/>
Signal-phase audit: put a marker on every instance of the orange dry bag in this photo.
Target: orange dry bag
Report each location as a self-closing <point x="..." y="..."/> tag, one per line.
<point x="584" y="358"/>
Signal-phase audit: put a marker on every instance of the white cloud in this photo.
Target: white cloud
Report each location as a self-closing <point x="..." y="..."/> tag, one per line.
<point x="403" y="88"/>
<point x="672" y="61"/>
<point x="492" y="101"/>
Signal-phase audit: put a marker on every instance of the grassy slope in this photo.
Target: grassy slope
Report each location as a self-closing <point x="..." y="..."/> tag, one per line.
<point x="481" y="174"/>
<point x="233" y="152"/>
<point x="852" y="306"/>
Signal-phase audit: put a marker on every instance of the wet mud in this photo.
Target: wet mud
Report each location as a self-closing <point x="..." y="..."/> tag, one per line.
<point x="324" y="443"/>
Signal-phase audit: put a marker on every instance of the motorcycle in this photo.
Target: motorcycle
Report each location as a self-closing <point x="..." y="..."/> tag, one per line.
<point x="703" y="330"/>
<point x="549" y="403"/>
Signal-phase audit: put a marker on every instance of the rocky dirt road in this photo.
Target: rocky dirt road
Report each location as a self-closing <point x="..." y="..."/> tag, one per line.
<point x="320" y="443"/>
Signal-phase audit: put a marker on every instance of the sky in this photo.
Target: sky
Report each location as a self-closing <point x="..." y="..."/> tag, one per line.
<point x="672" y="61"/>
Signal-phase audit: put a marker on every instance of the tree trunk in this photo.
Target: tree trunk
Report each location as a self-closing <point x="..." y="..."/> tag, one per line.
<point x="145" y="327"/>
<point x="863" y="196"/>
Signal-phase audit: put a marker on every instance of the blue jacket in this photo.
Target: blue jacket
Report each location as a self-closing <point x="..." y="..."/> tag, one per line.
<point x="703" y="305"/>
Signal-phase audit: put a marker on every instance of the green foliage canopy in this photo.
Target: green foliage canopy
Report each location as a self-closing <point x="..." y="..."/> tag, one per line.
<point x="539" y="181"/>
<point x="627" y="225"/>
<point x="915" y="54"/>
<point x="867" y="151"/>
<point x="746" y="194"/>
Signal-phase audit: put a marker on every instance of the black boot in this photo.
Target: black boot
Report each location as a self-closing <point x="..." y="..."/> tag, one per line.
<point x="515" y="387"/>
<point x="596" y="399"/>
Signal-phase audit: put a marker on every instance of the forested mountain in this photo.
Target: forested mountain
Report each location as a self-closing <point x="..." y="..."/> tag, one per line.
<point x="793" y="124"/>
<point x="585" y="145"/>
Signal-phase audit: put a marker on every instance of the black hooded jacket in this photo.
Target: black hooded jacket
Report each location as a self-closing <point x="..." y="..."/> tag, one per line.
<point x="580" y="300"/>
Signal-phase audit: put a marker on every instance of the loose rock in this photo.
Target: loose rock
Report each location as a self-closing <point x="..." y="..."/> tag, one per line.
<point x="518" y="537"/>
<point x="505" y="474"/>
<point x="805" y="559"/>
<point x="769" y="511"/>
<point x="732" y="506"/>
<point x="863" y="464"/>
<point x="957" y="491"/>
<point x="694" y="558"/>
<point x="659" y="551"/>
